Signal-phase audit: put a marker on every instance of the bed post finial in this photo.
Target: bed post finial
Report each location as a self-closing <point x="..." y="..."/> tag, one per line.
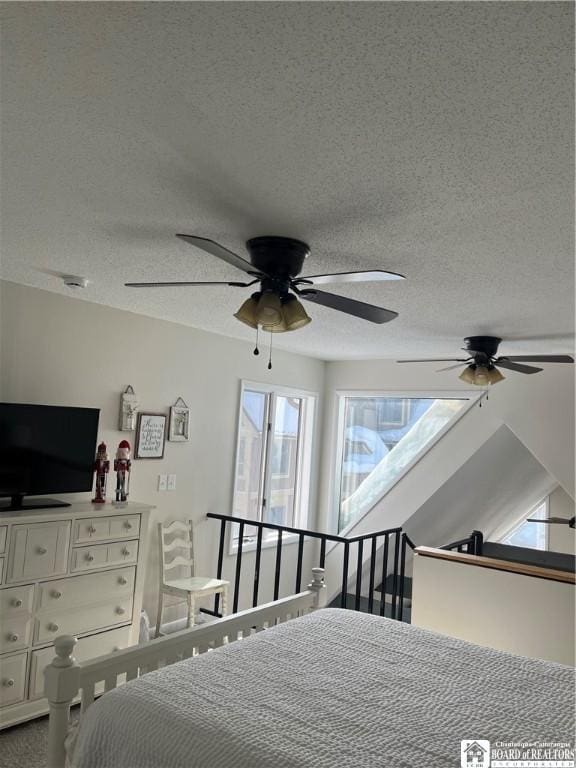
<point x="318" y="586"/>
<point x="61" y="683"/>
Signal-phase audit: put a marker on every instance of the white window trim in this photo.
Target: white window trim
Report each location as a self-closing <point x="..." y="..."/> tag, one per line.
<point x="304" y="460"/>
<point x="472" y="396"/>
<point x="520" y="522"/>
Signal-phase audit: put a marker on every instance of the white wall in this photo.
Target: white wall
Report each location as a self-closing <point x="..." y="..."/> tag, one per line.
<point x="63" y="351"/>
<point x="499" y="609"/>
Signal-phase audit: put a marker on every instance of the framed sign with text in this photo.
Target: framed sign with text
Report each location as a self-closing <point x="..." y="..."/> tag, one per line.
<point x="150" y="436"/>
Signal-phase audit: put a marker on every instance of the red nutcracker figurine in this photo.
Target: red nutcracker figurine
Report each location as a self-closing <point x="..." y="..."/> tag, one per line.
<point x="122" y="466"/>
<point x="101" y="468"/>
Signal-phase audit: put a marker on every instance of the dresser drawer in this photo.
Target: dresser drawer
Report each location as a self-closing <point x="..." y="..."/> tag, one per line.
<point x="83" y="590"/>
<point x="79" y="620"/>
<point x="15" y="632"/>
<point x="100" y="555"/>
<point x="12" y="679"/>
<point x="3" y="537"/>
<point x="38" y="550"/>
<point x="16" y="599"/>
<point x="102" y="528"/>
<point x="85" y="649"/>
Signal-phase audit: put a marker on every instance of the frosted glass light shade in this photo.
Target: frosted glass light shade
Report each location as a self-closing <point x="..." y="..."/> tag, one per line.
<point x="494" y="376"/>
<point x="248" y="312"/>
<point x="467" y="375"/>
<point x="294" y="314"/>
<point x="481" y="376"/>
<point x="269" y="311"/>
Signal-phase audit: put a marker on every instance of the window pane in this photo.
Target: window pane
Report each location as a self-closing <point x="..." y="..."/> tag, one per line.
<point x="284" y="460"/>
<point x="531" y="535"/>
<point x="248" y="484"/>
<point x="382" y="436"/>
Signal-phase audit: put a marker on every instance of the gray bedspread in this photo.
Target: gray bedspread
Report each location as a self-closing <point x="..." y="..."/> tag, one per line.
<point x="334" y="689"/>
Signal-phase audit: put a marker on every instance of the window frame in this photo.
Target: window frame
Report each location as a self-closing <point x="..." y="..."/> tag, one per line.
<point x="472" y="396"/>
<point x="545" y="501"/>
<point x="303" y="458"/>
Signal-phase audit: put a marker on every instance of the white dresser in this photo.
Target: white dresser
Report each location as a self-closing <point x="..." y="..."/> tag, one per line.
<point x="77" y="570"/>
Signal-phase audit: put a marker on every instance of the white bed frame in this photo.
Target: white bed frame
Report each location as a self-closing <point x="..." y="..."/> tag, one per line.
<point x="65" y="678"/>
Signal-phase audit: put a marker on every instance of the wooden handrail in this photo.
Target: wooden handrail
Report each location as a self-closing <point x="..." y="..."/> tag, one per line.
<point x="499" y="565"/>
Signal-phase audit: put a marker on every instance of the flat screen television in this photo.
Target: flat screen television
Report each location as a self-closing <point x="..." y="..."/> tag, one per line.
<point x="45" y="449"/>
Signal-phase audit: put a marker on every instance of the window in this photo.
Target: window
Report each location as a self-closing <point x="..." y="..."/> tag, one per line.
<point x="531" y="535"/>
<point x="273" y="456"/>
<point x="381" y="438"/>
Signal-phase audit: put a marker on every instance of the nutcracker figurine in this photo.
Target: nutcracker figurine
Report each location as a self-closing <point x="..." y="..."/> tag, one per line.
<point x="122" y="466"/>
<point x="101" y="468"/>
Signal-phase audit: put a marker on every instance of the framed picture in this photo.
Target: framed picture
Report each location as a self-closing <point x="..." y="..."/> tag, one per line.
<point x="150" y="436"/>
<point x="179" y="429"/>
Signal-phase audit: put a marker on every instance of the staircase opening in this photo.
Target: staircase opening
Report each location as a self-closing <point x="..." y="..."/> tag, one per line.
<point x="380" y="439"/>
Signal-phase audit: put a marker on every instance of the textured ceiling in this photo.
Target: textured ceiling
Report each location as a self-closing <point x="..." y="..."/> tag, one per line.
<point x="431" y="139"/>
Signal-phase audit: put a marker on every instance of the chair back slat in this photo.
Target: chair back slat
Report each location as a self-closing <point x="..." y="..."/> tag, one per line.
<point x="171" y="540"/>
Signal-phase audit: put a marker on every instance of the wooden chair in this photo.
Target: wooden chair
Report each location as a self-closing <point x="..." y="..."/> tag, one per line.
<point x="187" y="587"/>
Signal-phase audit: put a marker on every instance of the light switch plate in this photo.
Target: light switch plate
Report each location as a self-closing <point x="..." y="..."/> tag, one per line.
<point x="162" y="482"/>
<point x="171" y="482"/>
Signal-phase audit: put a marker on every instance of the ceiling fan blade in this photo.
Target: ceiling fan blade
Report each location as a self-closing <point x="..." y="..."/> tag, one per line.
<point x="215" y="249"/>
<point x="451" y="367"/>
<point x="373" y="275"/>
<point x="517" y="367"/>
<point x="537" y="358"/>
<point x="185" y="284"/>
<point x="553" y="520"/>
<point x="436" y="360"/>
<point x="352" y="307"/>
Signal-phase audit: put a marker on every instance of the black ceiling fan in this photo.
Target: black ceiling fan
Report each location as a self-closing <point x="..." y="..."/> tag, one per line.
<point x="276" y="263"/>
<point x="482" y="364"/>
<point x="571" y="521"/>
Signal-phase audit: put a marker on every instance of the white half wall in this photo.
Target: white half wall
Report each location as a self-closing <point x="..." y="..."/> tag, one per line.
<point x="63" y="351"/>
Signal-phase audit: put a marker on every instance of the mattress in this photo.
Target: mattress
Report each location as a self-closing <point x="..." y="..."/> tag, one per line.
<point x="332" y="689"/>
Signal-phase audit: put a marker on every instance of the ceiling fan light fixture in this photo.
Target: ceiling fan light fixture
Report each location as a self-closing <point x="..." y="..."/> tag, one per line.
<point x="248" y="312"/>
<point x="269" y="312"/>
<point x="468" y="374"/>
<point x="481" y="376"/>
<point x="294" y="314"/>
<point x="494" y="375"/>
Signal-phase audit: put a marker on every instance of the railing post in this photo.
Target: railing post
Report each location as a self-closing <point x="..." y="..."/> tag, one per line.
<point x="372" y="569"/>
<point x="478" y="542"/>
<point x="238" y="568"/>
<point x="402" y="572"/>
<point x="220" y="563"/>
<point x="61" y="684"/>
<point x="393" y="614"/>
<point x="318" y="586"/>
<point x="359" y="563"/>
<point x="257" y="568"/>
<point x="343" y="600"/>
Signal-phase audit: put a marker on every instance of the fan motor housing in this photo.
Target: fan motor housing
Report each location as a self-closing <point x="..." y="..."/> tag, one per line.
<point x="485" y="345"/>
<point x="281" y="257"/>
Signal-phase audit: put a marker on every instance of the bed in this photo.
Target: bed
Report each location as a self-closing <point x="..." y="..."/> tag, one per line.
<point x="331" y="688"/>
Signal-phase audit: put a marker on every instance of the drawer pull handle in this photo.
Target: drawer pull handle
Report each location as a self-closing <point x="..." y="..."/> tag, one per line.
<point x="53" y="627"/>
<point x="127" y="524"/>
<point x="55" y="594"/>
<point x="16" y="602"/>
<point x="122" y="580"/>
<point x="8" y="683"/>
<point x="120" y="611"/>
<point x="41" y="550"/>
<point x="125" y="552"/>
<point x="89" y="557"/>
<point x="91" y="529"/>
<point x="13" y="637"/>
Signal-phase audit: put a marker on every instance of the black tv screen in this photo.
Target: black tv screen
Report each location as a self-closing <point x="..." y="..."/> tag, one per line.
<point x="46" y="449"/>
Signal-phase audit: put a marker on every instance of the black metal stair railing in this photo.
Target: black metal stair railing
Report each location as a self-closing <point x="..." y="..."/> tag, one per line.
<point x="393" y="542"/>
<point x="470" y="546"/>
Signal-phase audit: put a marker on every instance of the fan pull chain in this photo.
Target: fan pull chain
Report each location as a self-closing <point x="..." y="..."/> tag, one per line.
<point x="256" y="350"/>
<point x="270" y="358"/>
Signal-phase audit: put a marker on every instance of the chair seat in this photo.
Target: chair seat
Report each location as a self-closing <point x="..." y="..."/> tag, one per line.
<point x="195" y="584"/>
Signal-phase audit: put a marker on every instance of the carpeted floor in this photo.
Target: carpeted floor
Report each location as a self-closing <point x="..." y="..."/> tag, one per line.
<point x="24" y="746"/>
